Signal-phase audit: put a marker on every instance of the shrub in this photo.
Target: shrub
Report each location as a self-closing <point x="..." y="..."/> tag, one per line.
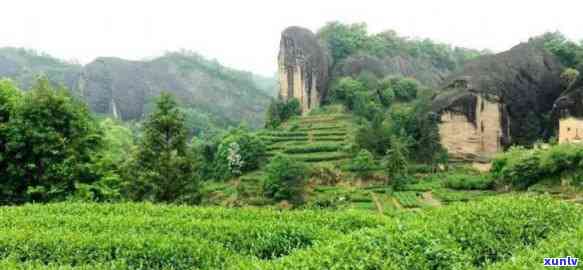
<point x="522" y="167"/>
<point x="148" y="236"/>
<point x="462" y="236"/>
<point x="280" y="111"/>
<point x="363" y="164"/>
<point x="239" y="151"/>
<point x="284" y="179"/>
<point x="468" y="182"/>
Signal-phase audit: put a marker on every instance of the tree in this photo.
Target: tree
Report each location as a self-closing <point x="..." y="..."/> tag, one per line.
<point x="345" y="89"/>
<point x="396" y="161"/>
<point x="9" y="99"/>
<point x="405" y="89"/>
<point x="363" y="164"/>
<point x="569" y="77"/>
<point x="374" y="136"/>
<point x="240" y="151"/>
<point x="284" y="180"/>
<point x="569" y="53"/>
<point x="280" y="111"/>
<point x="343" y="39"/>
<point x="163" y="169"/>
<point x="51" y="139"/>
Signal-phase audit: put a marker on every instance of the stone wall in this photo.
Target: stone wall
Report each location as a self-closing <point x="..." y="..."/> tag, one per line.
<point x="571" y="130"/>
<point x="473" y="141"/>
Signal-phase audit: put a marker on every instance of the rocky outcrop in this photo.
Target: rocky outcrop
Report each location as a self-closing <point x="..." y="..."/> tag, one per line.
<point x="302" y="67"/>
<point x="498" y="100"/>
<point x="568" y="113"/>
<point x="126" y="89"/>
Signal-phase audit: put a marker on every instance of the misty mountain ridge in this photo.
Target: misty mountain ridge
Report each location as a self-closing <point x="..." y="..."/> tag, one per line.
<point x="125" y="88"/>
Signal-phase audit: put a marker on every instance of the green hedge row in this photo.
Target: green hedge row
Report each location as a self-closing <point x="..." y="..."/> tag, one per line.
<point x="462" y="236"/>
<point x="313" y="148"/>
<point x="468" y="182"/>
<point x="319" y="157"/>
<point x="567" y="243"/>
<point x="144" y="236"/>
<point x="522" y="167"/>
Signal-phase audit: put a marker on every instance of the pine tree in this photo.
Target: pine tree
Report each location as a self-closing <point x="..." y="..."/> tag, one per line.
<point x="396" y="162"/>
<point x="163" y="168"/>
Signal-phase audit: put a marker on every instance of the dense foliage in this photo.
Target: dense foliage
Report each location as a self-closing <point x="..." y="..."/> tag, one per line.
<point x="285" y="179"/>
<point x="48" y="140"/>
<point x="523" y="167"/>
<point x="344" y="40"/>
<point x="238" y="152"/>
<point x="162" y="169"/>
<point x="569" y="53"/>
<point x="280" y="111"/>
<point x="363" y="164"/>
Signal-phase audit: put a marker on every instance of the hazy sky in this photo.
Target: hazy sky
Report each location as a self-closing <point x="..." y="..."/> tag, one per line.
<point x="245" y="34"/>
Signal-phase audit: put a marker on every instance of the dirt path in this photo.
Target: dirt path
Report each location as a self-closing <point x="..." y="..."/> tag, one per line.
<point x="396" y="203"/>
<point x="429" y="200"/>
<point x="377" y="203"/>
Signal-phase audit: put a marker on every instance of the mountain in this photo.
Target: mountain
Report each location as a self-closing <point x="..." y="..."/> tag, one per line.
<point x="126" y="89"/>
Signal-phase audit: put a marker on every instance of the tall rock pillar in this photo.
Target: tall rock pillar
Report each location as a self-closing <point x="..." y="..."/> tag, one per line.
<point x="302" y="68"/>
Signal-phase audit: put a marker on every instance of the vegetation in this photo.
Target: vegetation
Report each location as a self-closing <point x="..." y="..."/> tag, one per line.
<point x="291" y="185"/>
<point x="161" y="170"/>
<point x="48" y="140"/>
<point x="131" y="236"/>
<point x="521" y="167"/>
<point x="285" y="179"/>
<point x="484" y="234"/>
<point x="363" y="164"/>
<point x="569" y="53"/>
<point x="280" y="111"/>
<point x="348" y="39"/>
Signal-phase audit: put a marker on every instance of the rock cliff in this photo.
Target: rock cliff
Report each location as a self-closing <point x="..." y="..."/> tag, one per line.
<point x="568" y="113"/>
<point x="303" y="66"/>
<point x="126" y="89"/>
<point x="498" y="100"/>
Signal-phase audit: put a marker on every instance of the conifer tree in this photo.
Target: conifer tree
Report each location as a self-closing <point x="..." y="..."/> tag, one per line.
<point x="163" y="169"/>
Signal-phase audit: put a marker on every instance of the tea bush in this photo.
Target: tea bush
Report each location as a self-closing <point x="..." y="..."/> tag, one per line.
<point x="468" y="182"/>
<point x="522" y="167"/>
<point x="462" y="236"/>
<point x="147" y="236"/>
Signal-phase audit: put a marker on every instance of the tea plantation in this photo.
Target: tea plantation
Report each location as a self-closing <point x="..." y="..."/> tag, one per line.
<point x="496" y="233"/>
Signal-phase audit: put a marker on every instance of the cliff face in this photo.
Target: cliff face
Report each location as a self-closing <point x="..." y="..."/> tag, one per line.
<point x="302" y="67"/>
<point x="568" y="112"/>
<point x="126" y="89"/>
<point x="499" y="99"/>
<point x="23" y="66"/>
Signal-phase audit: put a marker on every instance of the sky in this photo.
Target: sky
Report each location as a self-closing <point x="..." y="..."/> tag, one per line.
<point x="245" y="34"/>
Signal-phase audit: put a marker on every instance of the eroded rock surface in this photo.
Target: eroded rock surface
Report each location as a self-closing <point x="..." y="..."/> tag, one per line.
<point x="568" y="112"/>
<point x="302" y="67"/>
<point x="497" y="100"/>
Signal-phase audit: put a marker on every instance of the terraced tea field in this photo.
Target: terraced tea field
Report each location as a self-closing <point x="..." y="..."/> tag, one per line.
<point x="506" y="232"/>
<point x="312" y="139"/>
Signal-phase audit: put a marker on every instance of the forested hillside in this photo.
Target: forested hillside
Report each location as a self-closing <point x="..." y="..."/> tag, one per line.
<point x="354" y="50"/>
<point x="212" y="95"/>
